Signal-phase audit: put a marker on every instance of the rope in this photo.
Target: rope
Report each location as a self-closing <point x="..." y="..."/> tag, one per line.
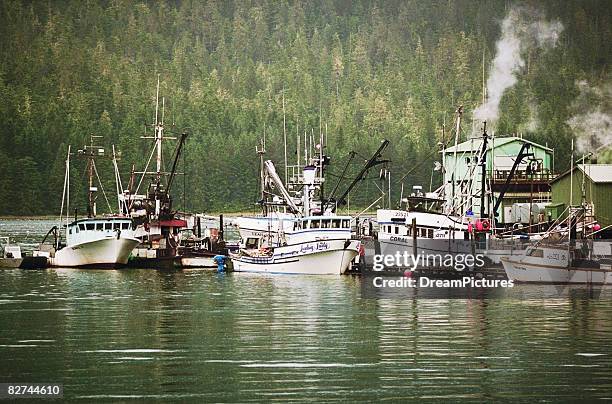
<point x="102" y="188"/>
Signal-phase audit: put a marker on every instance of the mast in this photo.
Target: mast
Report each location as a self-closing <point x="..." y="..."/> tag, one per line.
<point x="570" y="219"/>
<point x="285" y="136"/>
<point x="91" y="151"/>
<point x="66" y="191"/>
<point x="159" y="130"/>
<point x="261" y="151"/>
<point x="457" y="131"/>
<point x="483" y="172"/>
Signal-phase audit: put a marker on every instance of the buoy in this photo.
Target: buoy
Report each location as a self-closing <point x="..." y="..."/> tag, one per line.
<point x="220" y="261"/>
<point x="486" y="225"/>
<point x="596" y="227"/>
<point x="478" y="225"/>
<point x="470" y="228"/>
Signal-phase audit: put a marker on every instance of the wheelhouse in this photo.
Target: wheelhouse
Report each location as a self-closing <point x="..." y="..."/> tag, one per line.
<point x="106" y="225"/>
<point x="322" y="222"/>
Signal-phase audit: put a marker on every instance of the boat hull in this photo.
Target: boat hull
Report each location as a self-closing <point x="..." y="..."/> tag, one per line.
<point x="522" y="272"/>
<point x="106" y="252"/>
<point x="328" y="257"/>
<point x="441" y="246"/>
<point x="10" y="262"/>
<point x="198" y="262"/>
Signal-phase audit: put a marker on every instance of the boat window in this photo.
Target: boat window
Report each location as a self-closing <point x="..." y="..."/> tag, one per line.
<point x="430" y="233"/>
<point x="536" y="253"/>
<point x="90" y="226"/>
<point x="396" y="229"/>
<point x="251" y="243"/>
<point x="70" y="230"/>
<point x="125" y="226"/>
<point x="346" y="223"/>
<point x="82" y="226"/>
<point x="325" y="224"/>
<point x="116" y="226"/>
<point x="315" y="224"/>
<point x="108" y="226"/>
<point x="336" y="224"/>
<point x="99" y="226"/>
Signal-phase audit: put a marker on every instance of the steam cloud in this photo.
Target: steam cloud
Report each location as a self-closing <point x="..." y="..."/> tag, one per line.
<point x="519" y="33"/>
<point x="592" y="123"/>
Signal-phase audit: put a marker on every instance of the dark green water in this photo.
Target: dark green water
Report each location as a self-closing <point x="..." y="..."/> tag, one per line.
<point x="202" y="336"/>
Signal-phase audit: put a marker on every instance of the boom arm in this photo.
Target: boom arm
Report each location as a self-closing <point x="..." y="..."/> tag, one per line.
<point x="271" y="171"/>
<point x="177" y="154"/>
<point x="373" y="161"/>
<point x="521" y="155"/>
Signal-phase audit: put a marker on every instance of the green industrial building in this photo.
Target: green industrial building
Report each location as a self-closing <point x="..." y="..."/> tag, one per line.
<point x="591" y="183"/>
<point x="531" y="180"/>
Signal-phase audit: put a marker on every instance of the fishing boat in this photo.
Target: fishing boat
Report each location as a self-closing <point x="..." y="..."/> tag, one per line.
<point x="296" y="233"/>
<point x="313" y="245"/>
<point x="461" y="216"/>
<point x="159" y="226"/>
<point x="320" y="254"/>
<point x="202" y="242"/>
<point x="557" y="264"/>
<point x="13" y="257"/>
<point x="95" y="241"/>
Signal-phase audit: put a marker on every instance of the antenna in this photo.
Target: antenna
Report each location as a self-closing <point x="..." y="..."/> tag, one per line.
<point x="285" y="135"/>
<point x="484" y="87"/>
<point x="157" y="100"/>
<point x="261" y="151"/>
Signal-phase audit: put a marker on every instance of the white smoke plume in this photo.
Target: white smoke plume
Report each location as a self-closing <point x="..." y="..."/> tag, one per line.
<point x="522" y="29"/>
<point x="592" y="121"/>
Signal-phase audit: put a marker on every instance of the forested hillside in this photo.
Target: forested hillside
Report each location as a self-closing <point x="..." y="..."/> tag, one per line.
<point x="367" y="69"/>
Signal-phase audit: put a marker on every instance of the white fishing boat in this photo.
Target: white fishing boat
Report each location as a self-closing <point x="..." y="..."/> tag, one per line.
<point x="296" y="234"/>
<point x="460" y="216"/>
<point x="321" y="257"/>
<point x="315" y="245"/>
<point x="556" y="264"/>
<point x="95" y="241"/>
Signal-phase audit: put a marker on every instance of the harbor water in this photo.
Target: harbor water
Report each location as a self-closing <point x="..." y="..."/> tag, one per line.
<point x="199" y="335"/>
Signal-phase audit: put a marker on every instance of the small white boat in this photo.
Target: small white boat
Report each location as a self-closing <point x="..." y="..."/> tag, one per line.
<point x="95" y="242"/>
<point x="556" y="264"/>
<point x="12" y="257"/>
<point x="198" y="262"/>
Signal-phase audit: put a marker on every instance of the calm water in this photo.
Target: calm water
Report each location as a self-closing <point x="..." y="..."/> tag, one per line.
<point x="196" y="335"/>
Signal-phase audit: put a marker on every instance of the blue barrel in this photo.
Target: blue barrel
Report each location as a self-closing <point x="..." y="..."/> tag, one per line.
<point x="220" y="261"/>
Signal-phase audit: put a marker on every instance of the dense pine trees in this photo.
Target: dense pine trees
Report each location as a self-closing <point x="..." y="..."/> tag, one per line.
<point x="366" y="69"/>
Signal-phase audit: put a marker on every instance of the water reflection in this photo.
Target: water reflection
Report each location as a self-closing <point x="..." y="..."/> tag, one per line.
<point x="197" y="335"/>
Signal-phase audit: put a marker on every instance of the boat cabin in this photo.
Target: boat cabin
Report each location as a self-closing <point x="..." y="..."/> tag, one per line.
<point x="86" y="229"/>
<point x="318" y="222"/>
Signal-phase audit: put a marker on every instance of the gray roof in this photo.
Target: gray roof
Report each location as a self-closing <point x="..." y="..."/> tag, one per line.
<point x="598" y="173"/>
<point x="474" y="145"/>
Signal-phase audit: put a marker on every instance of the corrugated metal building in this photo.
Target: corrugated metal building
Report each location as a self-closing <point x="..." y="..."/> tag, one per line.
<point x="530" y="182"/>
<point x="594" y="181"/>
